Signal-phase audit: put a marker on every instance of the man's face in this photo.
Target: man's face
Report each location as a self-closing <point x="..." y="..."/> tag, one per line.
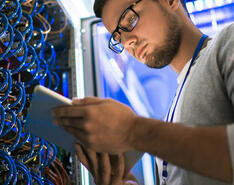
<point x="156" y="38"/>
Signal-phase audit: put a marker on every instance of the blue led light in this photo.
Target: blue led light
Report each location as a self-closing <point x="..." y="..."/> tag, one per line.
<point x="211" y="15"/>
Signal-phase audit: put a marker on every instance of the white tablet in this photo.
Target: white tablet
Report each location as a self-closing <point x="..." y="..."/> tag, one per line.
<point x="40" y="122"/>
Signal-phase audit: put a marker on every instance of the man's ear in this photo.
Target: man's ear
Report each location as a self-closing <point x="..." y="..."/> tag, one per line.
<point x="174" y="4"/>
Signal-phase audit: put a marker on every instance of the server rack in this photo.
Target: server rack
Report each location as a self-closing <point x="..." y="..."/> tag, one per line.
<point x="37" y="46"/>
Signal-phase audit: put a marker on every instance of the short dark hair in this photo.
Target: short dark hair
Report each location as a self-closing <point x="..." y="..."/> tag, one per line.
<point x="98" y="7"/>
<point x="99" y="4"/>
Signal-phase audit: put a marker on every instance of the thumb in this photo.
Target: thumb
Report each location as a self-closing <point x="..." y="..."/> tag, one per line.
<point x="86" y="100"/>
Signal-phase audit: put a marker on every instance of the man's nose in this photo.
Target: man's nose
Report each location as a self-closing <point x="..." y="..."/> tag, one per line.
<point x="128" y="40"/>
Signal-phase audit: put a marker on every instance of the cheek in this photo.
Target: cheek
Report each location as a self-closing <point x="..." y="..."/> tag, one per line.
<point x="153" y="25"/>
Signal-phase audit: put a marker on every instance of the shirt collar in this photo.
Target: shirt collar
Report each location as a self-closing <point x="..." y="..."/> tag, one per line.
<point x="182" y="74"/>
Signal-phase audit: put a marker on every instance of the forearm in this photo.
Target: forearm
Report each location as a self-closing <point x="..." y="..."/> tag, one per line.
<point x="200" y="149"/>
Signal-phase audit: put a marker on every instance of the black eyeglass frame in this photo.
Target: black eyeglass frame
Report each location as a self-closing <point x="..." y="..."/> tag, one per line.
<point x="123" y="28"/>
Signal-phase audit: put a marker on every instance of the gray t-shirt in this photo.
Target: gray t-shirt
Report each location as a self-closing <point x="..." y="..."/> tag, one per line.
<point x="208" y="99"/>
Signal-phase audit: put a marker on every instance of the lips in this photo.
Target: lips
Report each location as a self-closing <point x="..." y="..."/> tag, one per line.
<point x="141" y="51"/>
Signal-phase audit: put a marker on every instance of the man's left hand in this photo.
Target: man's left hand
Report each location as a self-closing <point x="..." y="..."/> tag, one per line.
<point x="101" y="124"/>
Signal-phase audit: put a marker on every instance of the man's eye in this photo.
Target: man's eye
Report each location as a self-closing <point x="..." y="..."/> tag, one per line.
<point x="132" y="19"/>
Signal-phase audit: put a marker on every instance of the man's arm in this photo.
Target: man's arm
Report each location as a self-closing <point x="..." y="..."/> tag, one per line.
<point x="106" y="125"/>
<point x="200" y="149"/>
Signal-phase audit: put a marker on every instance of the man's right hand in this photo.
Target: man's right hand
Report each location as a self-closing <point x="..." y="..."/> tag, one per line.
<point x="106" y="169"/>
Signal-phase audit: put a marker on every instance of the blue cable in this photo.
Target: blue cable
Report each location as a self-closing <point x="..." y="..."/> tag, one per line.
<point x="46" y="13"/>
<point x="54" y="154"/>
<point x="46" y="157"/>
<point x="7" y="88"/>
<point x="2" y="118"/>
<point x="37" y="152"/>
<point x="52" y="20"/>
<point x="21" y="167"/>
<point x="30" y="61"/>
<point x="28" y="35"/>
<point x="34" y="8"/>
<point x="47" y="81"/>
<point x="27" y="157"/>
<point x="43" y="70"/>
<point x="9" y="43"/>
<point x="17" y="44"/>
<point x="4" y="75"/>
<point x="11" y="165"/>
<point x="22" y="1"/>
<point x="24" y="140"/>
<point x="50" y="60"/>
<point x="21" y="58"/>
<point x="17" y="18"/>
<point x="13" y="146"/>
<point x="28" y="28"/>
<point x="57" y="80"/>
<point x="2" y="4"/>
<point x="38" y="43"/>
<point x="23" y="100"/>
<point x="43" y="157"/>
<point x="4" y="24"/>
<point x="39" y="8"/>
<point x="46" y="181"/>
<point x="16" y="8"/>
<point x="36" y="178"/>
<point x="11" y="124"/>
<point x="19" y="87"/>
<point x="34" y="72"/>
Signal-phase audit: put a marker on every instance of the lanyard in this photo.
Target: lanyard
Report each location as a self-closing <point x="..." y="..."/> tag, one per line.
<point x="198" y="48"/>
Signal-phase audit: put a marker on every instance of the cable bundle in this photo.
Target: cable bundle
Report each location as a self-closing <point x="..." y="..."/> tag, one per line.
<point x="26" y="59"/>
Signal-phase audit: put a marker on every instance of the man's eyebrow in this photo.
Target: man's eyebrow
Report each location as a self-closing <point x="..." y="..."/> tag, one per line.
<point x="123" y="14"/>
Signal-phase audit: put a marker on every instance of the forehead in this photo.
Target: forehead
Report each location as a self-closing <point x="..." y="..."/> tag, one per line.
<point x="112" y="11"/>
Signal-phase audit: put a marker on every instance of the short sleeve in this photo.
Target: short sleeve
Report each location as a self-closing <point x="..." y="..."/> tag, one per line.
<point x="226" y="59"/>
<point x="226" y="63"/>
<point x="230" y="138"/>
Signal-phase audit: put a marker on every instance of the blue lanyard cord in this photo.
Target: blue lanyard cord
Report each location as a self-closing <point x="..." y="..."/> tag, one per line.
<point x="199" y="46"/>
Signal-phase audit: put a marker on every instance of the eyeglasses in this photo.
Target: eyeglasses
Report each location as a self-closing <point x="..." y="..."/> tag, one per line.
<point x="127" y="22"/>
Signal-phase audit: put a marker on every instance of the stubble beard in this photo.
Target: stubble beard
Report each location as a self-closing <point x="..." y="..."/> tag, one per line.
<point x="162" y="56"/>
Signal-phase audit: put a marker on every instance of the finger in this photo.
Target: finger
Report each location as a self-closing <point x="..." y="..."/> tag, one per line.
<point x="105" y="166"/>
<point x="82" y="157"/>
<point x="69" y="122"/>
<point x="87" y="101"/>
<point x="76" y="132"/>
<point x="79" y="134"/>
<point x="118" y="168"/>
<point x="93" y="158"/>
<point x="69" y="111"/>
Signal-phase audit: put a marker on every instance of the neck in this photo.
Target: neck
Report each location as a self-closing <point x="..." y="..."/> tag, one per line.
<point x="189" y="41"/>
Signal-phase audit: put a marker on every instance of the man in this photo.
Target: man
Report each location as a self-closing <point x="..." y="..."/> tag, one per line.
<point x="159" y="33"/>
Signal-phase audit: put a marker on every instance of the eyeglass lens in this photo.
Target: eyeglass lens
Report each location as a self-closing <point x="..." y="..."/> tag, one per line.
<point x="127" y="23"/>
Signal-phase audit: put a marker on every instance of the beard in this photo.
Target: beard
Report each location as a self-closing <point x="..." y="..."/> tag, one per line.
<point x="163" y="55"/>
